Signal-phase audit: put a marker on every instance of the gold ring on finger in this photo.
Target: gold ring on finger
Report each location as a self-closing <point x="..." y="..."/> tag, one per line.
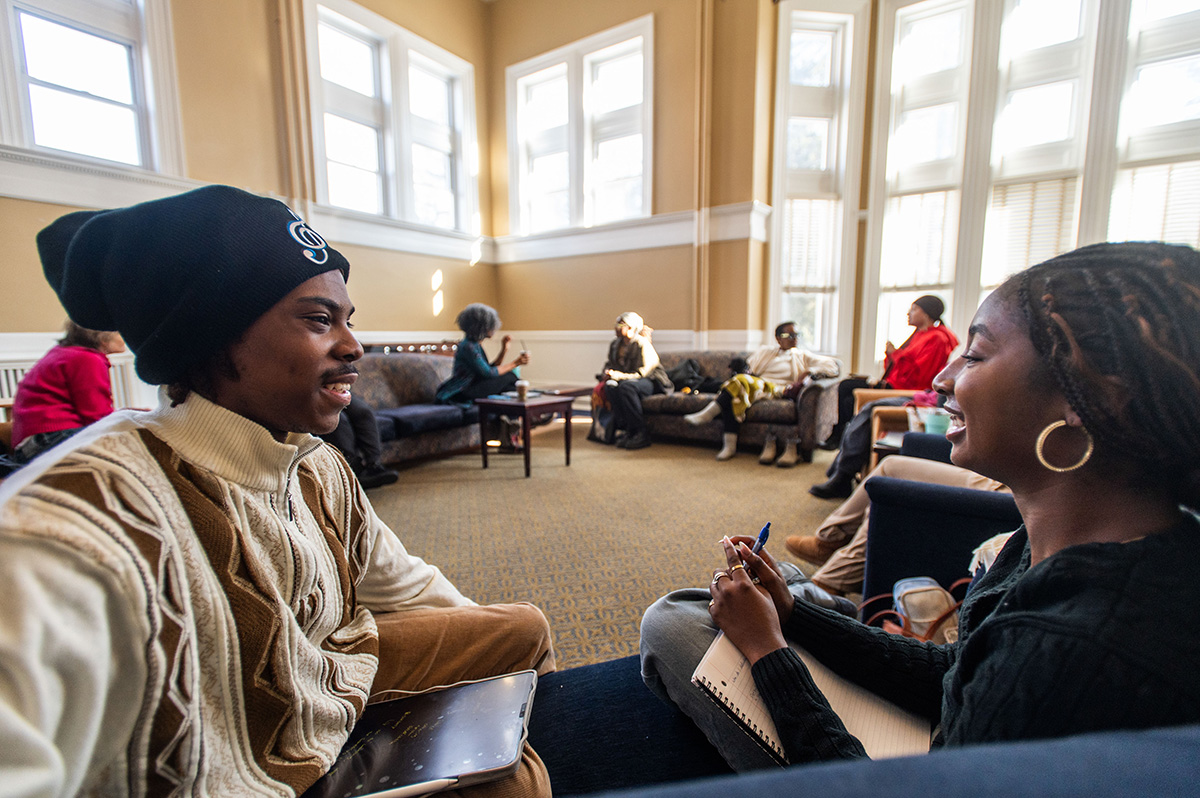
<point x="739" y="565"/>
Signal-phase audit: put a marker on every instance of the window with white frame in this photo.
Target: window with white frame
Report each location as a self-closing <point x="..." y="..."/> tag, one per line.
<point x="1156" y="194"/>
<point x="91" y="79"/>
<point x="1014" y="130"/>
<point x="927" y="124"/>
<point x="821" y="56"/>
<point x="393" y="119"/>
<point x="579" y="131"/>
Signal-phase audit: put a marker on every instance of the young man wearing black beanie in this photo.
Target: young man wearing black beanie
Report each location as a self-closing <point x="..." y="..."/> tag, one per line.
<point x="199" y="598"/>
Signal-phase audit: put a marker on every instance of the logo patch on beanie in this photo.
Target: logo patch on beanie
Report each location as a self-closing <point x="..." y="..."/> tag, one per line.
<point x="309" y="238"/>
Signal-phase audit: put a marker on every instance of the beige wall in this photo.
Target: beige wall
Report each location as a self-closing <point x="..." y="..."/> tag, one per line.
<point x="394" y="290"/>
<point x="735" y="298"/>
<point x="30" y="304"/>
<point x="230" y="95"/>
<point x="589" y="292"/>
<point x="240" y="123"/>
<point x="736" y="117"/>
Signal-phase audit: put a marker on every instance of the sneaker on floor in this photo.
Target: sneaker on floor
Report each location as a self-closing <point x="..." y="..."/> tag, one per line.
<point x="377" y="476"/>
<point x="811" y="548"/>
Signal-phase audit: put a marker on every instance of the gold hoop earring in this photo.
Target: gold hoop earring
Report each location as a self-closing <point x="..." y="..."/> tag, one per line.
<point x="1041" y="441"/>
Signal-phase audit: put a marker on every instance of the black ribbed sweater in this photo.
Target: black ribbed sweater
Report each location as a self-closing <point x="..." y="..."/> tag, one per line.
<point x="1098" y="636"/>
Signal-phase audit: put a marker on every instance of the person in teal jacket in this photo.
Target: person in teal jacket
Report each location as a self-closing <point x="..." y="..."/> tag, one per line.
<point x="474" y="376"/>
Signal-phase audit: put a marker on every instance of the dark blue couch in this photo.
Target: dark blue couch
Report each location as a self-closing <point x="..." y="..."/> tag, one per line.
<point x="599" y="729"/>
<point x="400" y="388"/>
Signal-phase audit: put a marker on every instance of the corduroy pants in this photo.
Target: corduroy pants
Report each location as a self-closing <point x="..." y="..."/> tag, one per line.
<point x="424" y="648"/>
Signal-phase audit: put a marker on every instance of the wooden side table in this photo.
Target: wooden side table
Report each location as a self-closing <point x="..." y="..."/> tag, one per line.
<point x="533" y="406"/>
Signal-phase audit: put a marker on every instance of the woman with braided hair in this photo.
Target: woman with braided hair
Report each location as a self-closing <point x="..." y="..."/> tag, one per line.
<point x="1078" y="389"/>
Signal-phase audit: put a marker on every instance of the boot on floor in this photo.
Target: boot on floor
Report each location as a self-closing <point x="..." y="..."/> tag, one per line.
<point x="708" y="413"/>
<point x="839" y="486"/>
<point x="768" y="453"/>
<point x="790" y="457"/>
<point x="811" y="548"/>
<point x="729" y="447"/>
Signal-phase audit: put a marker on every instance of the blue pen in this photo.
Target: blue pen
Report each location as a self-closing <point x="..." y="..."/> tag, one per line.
<point x="762" y="538"/>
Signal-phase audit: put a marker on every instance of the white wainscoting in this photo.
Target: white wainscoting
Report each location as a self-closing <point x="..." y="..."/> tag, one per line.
<point x="557" y="356"/>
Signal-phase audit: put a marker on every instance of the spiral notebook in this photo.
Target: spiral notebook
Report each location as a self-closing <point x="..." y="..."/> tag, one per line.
<point x="883" y="728"/>
<point x="422" y="743"/>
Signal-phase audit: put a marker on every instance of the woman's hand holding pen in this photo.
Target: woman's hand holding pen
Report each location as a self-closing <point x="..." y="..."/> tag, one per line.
<point x="747" y="612"/>
<point x="762" y="566"/>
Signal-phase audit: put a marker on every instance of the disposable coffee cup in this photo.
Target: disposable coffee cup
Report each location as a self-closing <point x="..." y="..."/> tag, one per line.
<point x="937" y="422"/>
<point x="522" y="389"/>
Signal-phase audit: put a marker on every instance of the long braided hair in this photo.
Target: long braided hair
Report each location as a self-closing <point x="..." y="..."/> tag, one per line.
<point x="1118" y="325"/>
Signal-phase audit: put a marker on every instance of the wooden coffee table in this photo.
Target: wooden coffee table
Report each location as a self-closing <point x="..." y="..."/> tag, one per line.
<point x="527" y="410"/>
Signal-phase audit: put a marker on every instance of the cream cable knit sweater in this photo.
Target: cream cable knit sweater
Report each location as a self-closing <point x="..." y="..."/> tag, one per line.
<point x="186" y="608"/>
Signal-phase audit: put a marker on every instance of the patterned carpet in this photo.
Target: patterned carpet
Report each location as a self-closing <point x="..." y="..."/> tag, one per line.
<point x="593" y="544"/>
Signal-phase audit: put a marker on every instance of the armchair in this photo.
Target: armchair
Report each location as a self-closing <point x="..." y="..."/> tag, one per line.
<point x="918" y="529"/>
<point x="863" y="396"/>
<point x="883" y="419"/>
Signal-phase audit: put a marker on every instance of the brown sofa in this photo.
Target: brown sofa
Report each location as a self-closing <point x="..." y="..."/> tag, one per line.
<point x="807" y="420"/>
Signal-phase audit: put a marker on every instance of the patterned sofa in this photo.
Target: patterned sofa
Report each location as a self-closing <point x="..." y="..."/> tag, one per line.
<point x="808" y="419"/>
<point x="400" y="388"/>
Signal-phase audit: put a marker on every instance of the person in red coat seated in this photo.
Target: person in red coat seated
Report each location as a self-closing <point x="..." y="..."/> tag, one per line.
<point x="914" y="364"/>
<point x="910" y="366"/>
<point x="65" y="391"/>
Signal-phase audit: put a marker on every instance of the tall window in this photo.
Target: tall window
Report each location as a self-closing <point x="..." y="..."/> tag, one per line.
<point x="78" y="78"/>
<point x="1015" y="130"/>
<point x="818" y="147"/>
<point x="393" y="119"/>
<point x="1157" y="187"/>
<point x="927" y="125"/>
<point x="580" y="130"/>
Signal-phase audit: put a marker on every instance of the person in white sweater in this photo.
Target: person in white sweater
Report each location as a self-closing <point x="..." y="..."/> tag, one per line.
<point x="772" y="371"/>
<point x="200" y="599"/>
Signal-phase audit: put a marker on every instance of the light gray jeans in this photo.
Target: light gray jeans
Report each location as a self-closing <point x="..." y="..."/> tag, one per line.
<point x="676" y="631"/>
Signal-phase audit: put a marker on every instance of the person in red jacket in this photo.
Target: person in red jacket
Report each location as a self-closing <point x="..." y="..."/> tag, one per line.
<point x="910" y="366"/>
<point x="914" y="364"/>
<point x="65" y="391"/>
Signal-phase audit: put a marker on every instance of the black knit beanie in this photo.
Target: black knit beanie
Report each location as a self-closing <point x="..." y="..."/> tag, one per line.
<point x="183" y="277"/>
<point x="932" y="306"/>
